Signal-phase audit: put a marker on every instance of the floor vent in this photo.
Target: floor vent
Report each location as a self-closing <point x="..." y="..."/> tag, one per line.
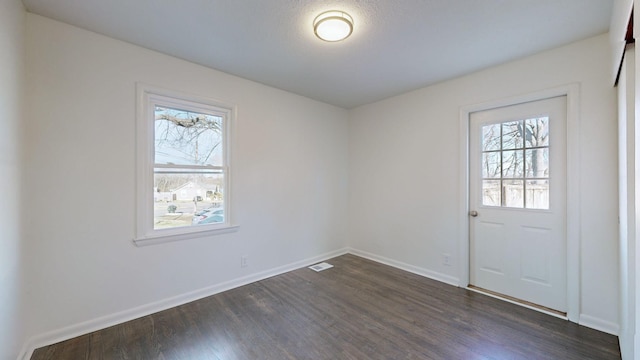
<point x="320" y="267"/>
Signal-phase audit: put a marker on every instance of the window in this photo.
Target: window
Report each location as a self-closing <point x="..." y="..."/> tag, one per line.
<point x="515" y="164"/>
<point x="183" y="166"/>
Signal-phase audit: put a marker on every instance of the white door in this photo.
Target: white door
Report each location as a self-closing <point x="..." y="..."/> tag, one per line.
<point x="518" y="201"/>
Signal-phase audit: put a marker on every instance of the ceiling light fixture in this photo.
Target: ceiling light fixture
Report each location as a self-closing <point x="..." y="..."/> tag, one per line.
<point x="333" y="25"/>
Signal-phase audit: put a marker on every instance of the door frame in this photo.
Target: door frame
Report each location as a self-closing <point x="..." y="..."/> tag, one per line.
<point x="572" y="93"/>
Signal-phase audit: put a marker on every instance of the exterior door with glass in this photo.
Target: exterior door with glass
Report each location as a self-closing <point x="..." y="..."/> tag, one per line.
<point x="518" y="201"/>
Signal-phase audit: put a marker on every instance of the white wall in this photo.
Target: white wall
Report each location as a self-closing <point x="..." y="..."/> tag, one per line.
<point x="627" y="201"/>
<point x="633" y="289"/>
<point x="289" y="180"/>
<point x="11" y="77"/>
<point x="404" y="169"/>
<point x="628" y="173"/>
<point x="294" y="160"/>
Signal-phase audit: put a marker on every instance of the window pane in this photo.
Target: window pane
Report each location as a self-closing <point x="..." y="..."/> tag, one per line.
<point x="512" y="164"/>
<point x="491" y="137"/>
<point x="187" y="138"/>
<point x="491" y="165"/>
<point x="537" y="163"/>
<point x="537" y="132"/>
<point x="511" y="135"/>
<point x="491" y="192"/>
<point x="186" y="199"/>
<point x="513" y="193"/>
<point x="538" y="194"/>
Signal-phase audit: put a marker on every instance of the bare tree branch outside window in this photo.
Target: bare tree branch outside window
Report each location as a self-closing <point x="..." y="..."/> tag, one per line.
<point x="188" y="174"/>
<point x="187" y="138"/>
<point x="516" y="154"/>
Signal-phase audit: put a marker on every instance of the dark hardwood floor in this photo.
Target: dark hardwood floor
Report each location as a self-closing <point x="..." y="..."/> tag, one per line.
<point x="357" y="310"/>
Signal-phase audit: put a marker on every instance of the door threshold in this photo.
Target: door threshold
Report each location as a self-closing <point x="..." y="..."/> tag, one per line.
<point x="516" y="301"/>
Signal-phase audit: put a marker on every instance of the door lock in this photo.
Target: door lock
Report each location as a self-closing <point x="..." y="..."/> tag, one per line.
<point x="473" y="213"/>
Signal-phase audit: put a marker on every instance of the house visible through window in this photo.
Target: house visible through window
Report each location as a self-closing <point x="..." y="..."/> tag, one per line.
<point x="188" y="168"/>
<point x="183" y="165"/>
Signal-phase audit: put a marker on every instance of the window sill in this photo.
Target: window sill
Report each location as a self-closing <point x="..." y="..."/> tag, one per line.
<point x="171" y="237"/>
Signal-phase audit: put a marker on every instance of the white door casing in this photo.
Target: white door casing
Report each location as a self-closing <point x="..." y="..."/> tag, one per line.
<point x="517" y="196"/>
<point x="571" y="92"/>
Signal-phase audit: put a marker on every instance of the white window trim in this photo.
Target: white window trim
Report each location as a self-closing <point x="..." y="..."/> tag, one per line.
<point x="145" y="234"/>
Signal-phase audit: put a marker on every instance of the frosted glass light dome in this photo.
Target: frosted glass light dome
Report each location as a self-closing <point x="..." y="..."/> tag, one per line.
<point x="333" y="25"/>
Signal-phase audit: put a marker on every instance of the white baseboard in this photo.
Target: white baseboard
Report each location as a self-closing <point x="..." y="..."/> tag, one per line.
<point x="75" y="330"/>
<point x="103" y="322"/>
<point x="451" y="280"/>
<point x="625" y="340"/>
<point x="599" y="324"/>
<point x="584" y="320"/>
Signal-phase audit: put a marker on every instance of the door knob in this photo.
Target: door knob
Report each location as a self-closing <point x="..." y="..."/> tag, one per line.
<point x="473" y="213"/>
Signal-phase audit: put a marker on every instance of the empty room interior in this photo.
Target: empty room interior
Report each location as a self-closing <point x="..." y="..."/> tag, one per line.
<point x="219" y="179"/>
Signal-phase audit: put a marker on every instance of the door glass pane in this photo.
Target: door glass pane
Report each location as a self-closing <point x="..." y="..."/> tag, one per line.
<point x="491" y="164"/>
<point x="491" y="192"/>
<point x="537" y="163"/>
<point x="513" y="193"/>
<point x="537" y="194"/>
<point x="511" y="135"/>
<point x="512" y="164"/>
<point x="515" y="164"/>
<point x="491" y="137"/>
<point x="537" y="132"/>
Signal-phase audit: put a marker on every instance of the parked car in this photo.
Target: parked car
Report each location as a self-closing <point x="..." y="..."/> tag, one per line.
<point x="210" y="215"/>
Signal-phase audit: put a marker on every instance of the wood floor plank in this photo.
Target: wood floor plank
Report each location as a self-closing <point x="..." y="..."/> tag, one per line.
<point x="359" y="309"/>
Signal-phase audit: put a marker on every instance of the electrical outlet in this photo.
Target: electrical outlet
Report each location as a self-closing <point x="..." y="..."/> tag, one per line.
<point x="446" y="259"/>
<point x="244" y="261"/>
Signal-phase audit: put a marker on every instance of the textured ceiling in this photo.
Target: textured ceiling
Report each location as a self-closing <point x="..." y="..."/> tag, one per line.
<point x="396" y="46"/>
